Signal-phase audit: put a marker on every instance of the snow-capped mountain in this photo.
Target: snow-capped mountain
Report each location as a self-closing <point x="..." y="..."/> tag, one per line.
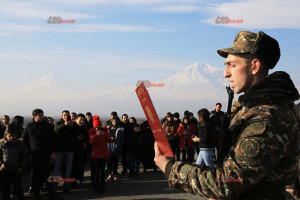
<point x="45" y="88"/>
<point x="198" y="86"/>
<point x="198" y="81"/>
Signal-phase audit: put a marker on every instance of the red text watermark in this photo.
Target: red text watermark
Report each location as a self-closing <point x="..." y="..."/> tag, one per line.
<point x="59" y="20"/>
<point x="226" y="20"/>
<point x="149" y="84"/>
<point x="60" y="179"/>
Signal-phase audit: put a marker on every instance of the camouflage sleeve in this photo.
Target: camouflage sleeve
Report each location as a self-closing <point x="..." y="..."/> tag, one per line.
<point x="257" y="149"/>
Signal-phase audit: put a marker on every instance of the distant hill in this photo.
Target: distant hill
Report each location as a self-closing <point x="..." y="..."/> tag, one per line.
<point x="198" y="86"/>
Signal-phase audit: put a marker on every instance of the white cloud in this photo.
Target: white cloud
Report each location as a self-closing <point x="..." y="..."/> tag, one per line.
<point x="56" y="59"/>
<point x="179" y="9"/>
<point x="19" y="27"/>
<point x="25" y="11"/>
<point x="268" y="14"/>
<point x="129" y="2"/>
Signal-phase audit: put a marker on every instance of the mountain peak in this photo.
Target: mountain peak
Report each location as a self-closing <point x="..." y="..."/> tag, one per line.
<point x="48" y="76"/>
<point x="195" y="73"/>
<point x="204" y="69"/>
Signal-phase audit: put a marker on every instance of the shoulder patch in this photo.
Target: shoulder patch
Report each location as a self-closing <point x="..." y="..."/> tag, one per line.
<point x="249" y="148"/>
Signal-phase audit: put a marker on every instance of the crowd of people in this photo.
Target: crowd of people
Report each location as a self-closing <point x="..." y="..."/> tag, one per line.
<point x="59" y="151"/>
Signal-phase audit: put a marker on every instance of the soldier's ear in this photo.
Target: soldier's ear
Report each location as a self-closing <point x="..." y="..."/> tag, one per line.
<point x="256" y="66"/>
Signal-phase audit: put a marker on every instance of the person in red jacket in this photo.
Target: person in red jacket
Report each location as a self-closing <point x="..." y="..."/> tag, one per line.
<point x="185" y="132"/>
<point x="99" y="137"/>
<point x="96" y="122"/>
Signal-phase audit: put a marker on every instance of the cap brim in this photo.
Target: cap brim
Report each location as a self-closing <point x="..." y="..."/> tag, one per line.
<point x="224" y="52"/>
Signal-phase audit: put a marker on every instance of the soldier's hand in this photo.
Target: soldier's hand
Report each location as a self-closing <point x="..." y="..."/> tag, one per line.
<point x="160" y="160"/>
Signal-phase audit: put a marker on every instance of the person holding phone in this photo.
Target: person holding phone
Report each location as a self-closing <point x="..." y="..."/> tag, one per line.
<point x="66" y="139"/>
<point x="205" y="139"/>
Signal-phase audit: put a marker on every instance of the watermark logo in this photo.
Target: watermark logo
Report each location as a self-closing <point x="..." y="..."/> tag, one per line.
<point x="226" y="20"/>
<point x="149" y="84"/>
<point x="59" y="20"/>
<point x="57" y="179"/>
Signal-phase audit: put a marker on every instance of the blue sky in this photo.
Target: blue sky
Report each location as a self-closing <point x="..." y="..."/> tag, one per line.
<point x="117" y="42"/>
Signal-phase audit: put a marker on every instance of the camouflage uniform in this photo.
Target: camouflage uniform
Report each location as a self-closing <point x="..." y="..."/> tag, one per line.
<point x="296" y="183"/>
<point x="263" y="155"/>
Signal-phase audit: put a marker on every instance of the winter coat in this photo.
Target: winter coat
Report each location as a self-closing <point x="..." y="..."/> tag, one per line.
<point x="148" y="144"/>
<point x="2" y="130"/>
<point x="115" y="148"/>
<point x="99" y="144"/>
<point x="182" y="140"/>
<point x="135" y="145"/>
<point x="88" y="124"/>
<point x="208" y="135"/>
<point x="80" y="131"/>
<point x="65" y="136"/>
<point x="39" y="139"/>
<point x="12" y="154"/>
<point x="263" y="156"/>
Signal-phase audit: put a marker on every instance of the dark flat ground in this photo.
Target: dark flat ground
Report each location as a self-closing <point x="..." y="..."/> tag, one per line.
<point x="151" y="185"/>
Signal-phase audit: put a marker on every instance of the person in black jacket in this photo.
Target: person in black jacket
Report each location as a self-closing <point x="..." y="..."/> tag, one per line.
<point x="3" y="124"/>
<point x="206" y="138"/>
<point x="127" y="129"/>
<point x="18" y="123"/>
<point x="13" y="157"/>
<point x="88" y="120"/>
<point x="40" y="139"/>
<point x="219" y="117"/>
<point x="148" y="151"/>
<point x="134" y="149"/>
<point x="80" y="151"/>
<point x="64" y="129"/>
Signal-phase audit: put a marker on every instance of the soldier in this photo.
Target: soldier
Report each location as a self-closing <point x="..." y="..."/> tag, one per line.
<point x="265" y="129"/>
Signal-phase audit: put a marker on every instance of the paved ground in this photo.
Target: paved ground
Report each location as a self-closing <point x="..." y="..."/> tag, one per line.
<point x="150" y="185"/>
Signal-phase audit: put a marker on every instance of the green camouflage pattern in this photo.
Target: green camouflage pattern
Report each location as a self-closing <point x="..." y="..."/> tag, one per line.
<point x="244" y="42"/>
<point x="263" y="157"/>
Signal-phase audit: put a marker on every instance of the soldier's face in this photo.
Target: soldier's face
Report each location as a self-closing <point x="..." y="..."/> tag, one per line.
<point x="239" y="73"/>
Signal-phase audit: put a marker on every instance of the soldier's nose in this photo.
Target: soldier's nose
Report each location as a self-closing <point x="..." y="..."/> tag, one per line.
<point x="227" y="73"/>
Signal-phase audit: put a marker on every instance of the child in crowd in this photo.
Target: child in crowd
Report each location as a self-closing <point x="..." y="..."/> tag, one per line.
<point x="12" y="161"/>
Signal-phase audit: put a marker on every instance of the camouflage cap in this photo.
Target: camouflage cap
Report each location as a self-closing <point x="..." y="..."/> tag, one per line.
<point x="259" y="44"/>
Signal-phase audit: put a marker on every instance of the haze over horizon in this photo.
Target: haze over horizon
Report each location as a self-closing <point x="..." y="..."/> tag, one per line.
<point x="97" y="60"/>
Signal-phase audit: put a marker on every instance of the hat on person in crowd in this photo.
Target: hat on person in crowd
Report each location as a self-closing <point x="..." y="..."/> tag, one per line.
<point x="259" y="44"/>
<point x="96" y="121"/>
<point x="176" y="115"/>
